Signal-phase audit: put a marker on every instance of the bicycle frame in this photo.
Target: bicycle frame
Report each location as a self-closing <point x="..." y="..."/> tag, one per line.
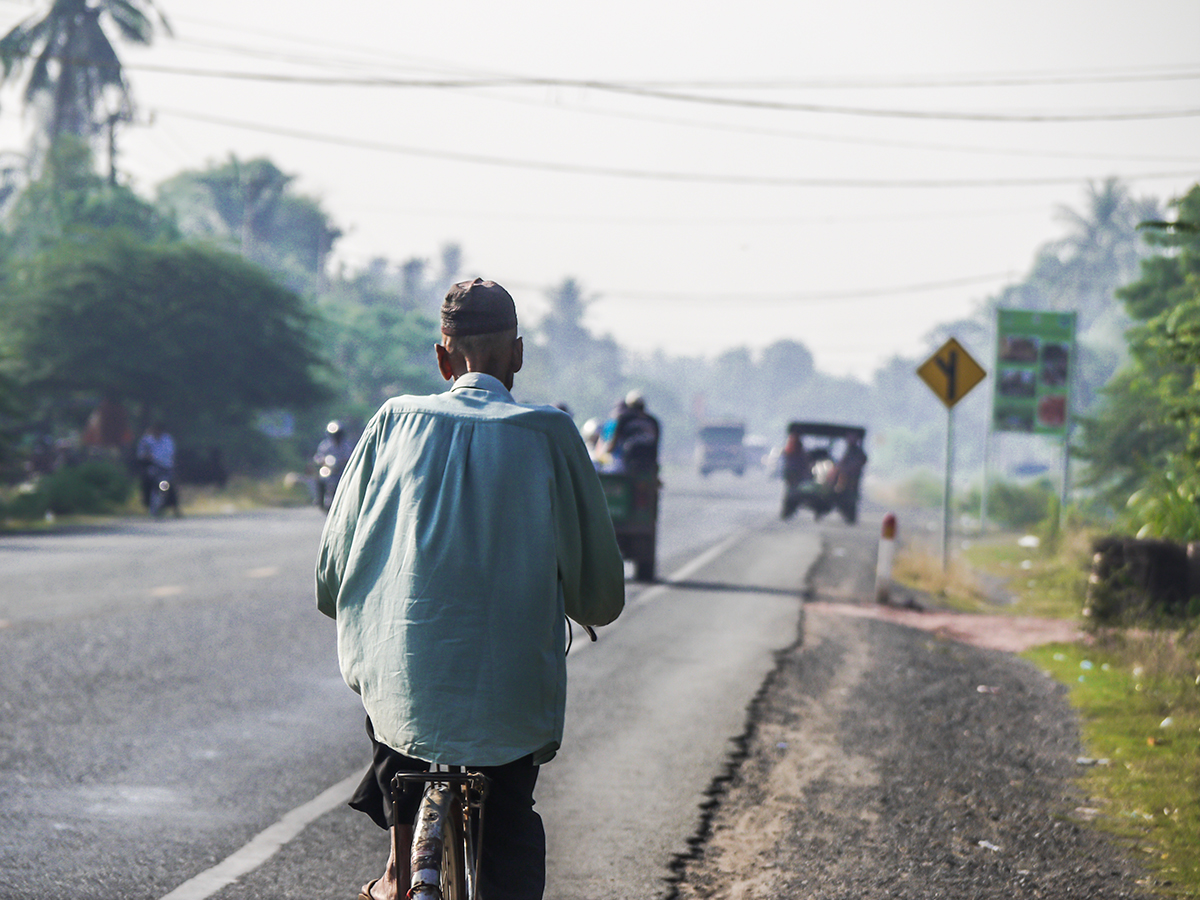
<point x="447" y="793"/>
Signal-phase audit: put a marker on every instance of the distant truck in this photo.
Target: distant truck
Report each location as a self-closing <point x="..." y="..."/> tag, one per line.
<point x="721" y="446"/>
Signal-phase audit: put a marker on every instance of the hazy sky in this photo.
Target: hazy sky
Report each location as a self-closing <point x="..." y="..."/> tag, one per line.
<point x="843" y="174"/>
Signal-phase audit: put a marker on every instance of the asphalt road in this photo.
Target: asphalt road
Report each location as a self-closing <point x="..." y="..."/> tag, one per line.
<point x="174" y="723"/>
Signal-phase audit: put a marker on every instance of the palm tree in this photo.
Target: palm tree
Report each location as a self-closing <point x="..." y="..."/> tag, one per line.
<point x="1104" y="247"/>
<point x="74" y="65"/>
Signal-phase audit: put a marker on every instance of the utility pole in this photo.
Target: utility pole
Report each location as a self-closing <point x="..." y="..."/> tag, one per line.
<point x="126" y="116"/>
<point x="111" y="122"/>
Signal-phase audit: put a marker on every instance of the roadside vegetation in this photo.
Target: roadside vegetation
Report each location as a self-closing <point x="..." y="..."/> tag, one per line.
<point x="1136" y="685"/>
<point x="97" y="490"/>
<point x="1138" y="696"/>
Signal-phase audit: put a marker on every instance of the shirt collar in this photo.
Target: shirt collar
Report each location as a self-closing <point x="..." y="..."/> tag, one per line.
<point x="480" y="382"/>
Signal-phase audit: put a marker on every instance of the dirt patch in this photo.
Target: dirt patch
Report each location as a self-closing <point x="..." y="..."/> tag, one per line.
<point x="901" y="754"/>
<point x="1011" y="634"/>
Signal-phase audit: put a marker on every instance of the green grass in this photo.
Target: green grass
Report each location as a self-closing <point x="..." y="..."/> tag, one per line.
<point x="243" y="494"/>
<point x="1039" y="583"/>
<point x="1125" y="684"/>
<point x="1139" y="702"/>
<point x="240" y="494"/>
<point x="995" y="575"/>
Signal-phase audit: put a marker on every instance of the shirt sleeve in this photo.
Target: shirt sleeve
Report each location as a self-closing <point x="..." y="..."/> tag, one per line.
<point x="589" y="562"/>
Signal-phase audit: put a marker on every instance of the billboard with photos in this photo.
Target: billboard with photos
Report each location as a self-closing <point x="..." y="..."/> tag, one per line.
<point x="1034" y="353"/>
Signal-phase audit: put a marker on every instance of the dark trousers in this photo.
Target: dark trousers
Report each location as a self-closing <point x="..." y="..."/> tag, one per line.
<point x="513" y="863"/>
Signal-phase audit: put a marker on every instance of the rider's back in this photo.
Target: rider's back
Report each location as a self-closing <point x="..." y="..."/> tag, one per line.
<point x="466" y="527"/>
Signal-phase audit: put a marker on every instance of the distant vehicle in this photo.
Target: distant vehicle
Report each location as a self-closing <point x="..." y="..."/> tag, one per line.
<point x="720" y="446"/>
<point x="758" y="452"/>
<point x="822" y="468"/>
<point x="633" y="505"/>
<point x="1030" y="468"/>
<point x="330" y="460"/>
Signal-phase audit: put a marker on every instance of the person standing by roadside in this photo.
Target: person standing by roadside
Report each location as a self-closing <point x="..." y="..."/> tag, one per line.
<point x="466" y="529"/>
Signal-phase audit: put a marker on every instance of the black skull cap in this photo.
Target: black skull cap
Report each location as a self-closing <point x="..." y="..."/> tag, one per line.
<point x="477" y="307"/>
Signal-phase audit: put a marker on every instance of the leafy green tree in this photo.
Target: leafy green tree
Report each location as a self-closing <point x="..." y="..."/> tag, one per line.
<point x="1081" y="272"/>
<point x="190" y="334"/>
<point x="12" y="415"/>
<point x="789" y="361"/>
<point x="252" y="208"/>
<point x="73" y="67"/>
<point x="378" y="350"/>
<point x="379" y="330"/>
<point x="565" y="363"/>
<point x="1145" y="439"/>
<point x="1101" y="250"/>
<point x="68" y="200"/>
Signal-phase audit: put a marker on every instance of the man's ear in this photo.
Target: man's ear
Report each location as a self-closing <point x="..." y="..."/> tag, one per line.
<point x="518" y="354"/>
<point x="444" y="362"/>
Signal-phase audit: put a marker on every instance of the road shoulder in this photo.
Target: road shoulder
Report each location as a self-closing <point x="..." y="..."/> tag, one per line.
<point x="889" y="761"/>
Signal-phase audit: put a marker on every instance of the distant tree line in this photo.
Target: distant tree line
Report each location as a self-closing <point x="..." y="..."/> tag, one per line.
<point x="220" y="311"/>
<point x="213" y="308"/>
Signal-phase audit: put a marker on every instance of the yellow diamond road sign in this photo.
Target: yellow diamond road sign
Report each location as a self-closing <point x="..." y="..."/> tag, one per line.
<point x="951" y="372"/>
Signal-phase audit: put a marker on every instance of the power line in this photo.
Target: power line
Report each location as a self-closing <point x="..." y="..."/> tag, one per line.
<point x="1165" y="72"/>
<point x="802" y="297"/>
<point x="1098" y="77"/>
<point x="658" y="94"/>
<point x="1030" y="79"/>
<point x="948" y="81"/>
<point x="646" y="175"/>
<point x="844" y="139"/>
<point x="780" y="221"/>
<point x="784" y="106"/>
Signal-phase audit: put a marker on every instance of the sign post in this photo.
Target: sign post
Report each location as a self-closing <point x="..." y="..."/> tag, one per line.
<point x="950" y="373"/>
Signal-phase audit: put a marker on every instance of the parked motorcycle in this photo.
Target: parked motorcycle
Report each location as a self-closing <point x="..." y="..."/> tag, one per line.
<point x="162" y="490"/>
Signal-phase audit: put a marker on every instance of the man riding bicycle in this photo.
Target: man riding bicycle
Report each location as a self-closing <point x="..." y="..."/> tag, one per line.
<point x="466" y="527"/>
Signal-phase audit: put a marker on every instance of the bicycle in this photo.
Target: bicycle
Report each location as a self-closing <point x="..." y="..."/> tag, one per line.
<point x="448" y="830"/>
<point x="447" y="833"/>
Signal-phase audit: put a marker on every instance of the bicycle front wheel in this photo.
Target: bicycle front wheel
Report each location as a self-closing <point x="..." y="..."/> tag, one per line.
<point x="439" y="866"/>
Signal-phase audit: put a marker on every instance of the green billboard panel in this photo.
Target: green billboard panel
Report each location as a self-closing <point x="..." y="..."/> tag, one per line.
<point x="1034" y="353"/>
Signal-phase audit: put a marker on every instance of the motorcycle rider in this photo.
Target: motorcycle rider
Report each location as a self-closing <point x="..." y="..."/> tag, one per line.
<point x="156" y="459"/>
<point x="331" y="456"/>
<point x="635" y="437"/>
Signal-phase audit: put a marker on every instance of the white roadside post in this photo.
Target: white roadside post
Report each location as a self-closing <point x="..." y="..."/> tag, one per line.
<point x="887" y="555"/>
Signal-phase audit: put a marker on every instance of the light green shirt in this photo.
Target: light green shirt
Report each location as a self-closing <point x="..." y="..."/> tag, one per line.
<point x="464" y="528"/>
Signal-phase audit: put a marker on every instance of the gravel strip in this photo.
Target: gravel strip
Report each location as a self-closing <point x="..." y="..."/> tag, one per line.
<point x="884" y="761"/>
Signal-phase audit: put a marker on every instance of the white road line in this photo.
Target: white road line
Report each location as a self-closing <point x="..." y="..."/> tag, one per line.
<point x="264" y="845"/>
<point x="687" y="569"/>
<point x="267" y="843"/>
<point x="690" y="568"/>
